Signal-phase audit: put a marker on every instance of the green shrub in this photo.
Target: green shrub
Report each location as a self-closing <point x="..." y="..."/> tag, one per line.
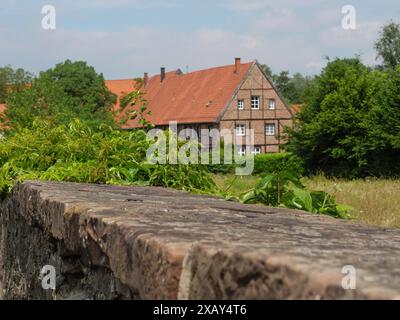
<point x="285" y="190"/>
<point x="276" y="163"/>
<point x="76" y="153"/>
<point x="221" y="167"/>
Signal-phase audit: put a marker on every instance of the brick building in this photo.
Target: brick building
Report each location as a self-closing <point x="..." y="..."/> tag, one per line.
<point x="237" y="97"/>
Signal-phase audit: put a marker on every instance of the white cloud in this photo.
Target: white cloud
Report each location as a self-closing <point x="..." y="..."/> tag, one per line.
<point x="363" y="36"/>
<point x="278" y="19"/>
<point x="329" y="16"/>
<point x="213" y="37"/>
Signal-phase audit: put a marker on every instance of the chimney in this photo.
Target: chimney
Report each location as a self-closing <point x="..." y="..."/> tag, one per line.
<point x="237" y="65"/>
<point x="145" y="79"/>
<point x="162" y="74"/>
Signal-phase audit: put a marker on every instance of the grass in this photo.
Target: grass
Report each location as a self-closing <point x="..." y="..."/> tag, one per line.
<point x="374" y="201"/>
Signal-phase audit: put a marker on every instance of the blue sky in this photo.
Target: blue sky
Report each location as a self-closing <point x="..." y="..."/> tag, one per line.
<point x="124" y="38"/>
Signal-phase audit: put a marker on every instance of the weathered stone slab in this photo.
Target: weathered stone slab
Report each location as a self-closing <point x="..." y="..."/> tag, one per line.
<point x="110" y="242"/>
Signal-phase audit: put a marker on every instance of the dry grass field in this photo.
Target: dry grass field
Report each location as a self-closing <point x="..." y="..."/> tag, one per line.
<point x="374" y="201"/>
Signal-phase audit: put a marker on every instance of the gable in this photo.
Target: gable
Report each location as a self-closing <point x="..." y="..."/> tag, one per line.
<point x="256" y="83"/>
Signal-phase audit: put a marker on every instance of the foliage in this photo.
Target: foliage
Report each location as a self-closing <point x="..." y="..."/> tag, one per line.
<point x="380" y="147"/>
<point x="294" y="89"/>
<point x="277" y="163"/>
<point x="283" y="84"/>
<point x="12" y="80"/>
<point x="70" y="90"/>
<point x="77" y="153"/>
<point x="137" y="110"/>
<point x="388" y="45"/>
<point x="222" y="166"/>
<point x="285" y="190"/>
<point x="349" y="126"/>
<point x="267" y="70"/>
<point x="300" y="86"/>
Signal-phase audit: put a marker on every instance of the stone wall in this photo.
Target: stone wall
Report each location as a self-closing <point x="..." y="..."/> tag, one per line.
<point x="109" y="242"/>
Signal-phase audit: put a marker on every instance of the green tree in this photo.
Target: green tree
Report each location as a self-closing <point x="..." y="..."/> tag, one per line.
<point x="267" y="70"/>
<point x="331" y="133"/>
<point x="382" y="146"/>
<point x="300" y="86"/>
<point x="388" y="45"/>
<point x="293" y="89"/>
<point x="67" y="91"/>
<point x="283" y="84"/>
<point x="12" y="80"/>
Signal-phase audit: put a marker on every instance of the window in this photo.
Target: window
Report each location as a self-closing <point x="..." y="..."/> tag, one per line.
<point x="242" y="151"/>
<point x="240" y="104"/>
<point x="270" y="129"/>
<point x="255" y="102"/>
<point x="240" y="130"/>
<point x="257" y="150"/>
<point x="271" y="104"/>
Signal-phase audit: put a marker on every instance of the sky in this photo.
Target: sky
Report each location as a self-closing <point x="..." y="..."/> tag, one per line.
<point x="125" y="38"/>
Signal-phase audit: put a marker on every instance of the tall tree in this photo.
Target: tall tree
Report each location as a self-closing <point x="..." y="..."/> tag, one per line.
<point x="330" y="133"/>
<point x="283" y="84"/>
<point x="300" y="88"/>
<point x="69" y="90"/>
<point x="388" y="45"/>
<point x="382" y="147"/>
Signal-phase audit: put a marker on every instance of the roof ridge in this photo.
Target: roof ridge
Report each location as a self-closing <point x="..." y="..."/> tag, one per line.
<point x="217" y="67"/>
<point x="183" y="74"/>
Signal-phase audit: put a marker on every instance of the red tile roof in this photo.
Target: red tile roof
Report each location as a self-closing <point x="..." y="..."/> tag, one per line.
<point x="196" y="97"/>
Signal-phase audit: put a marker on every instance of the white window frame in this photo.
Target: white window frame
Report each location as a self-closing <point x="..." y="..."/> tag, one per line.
<point x="242" y="151"/>
<point x="240" y="130"/>
<point x="255" y="103"/>
<point x="271" y="104"/>
<point x="240" y="104"/>
<point x="269" y="132"/>
<point x="256" y="150"/>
